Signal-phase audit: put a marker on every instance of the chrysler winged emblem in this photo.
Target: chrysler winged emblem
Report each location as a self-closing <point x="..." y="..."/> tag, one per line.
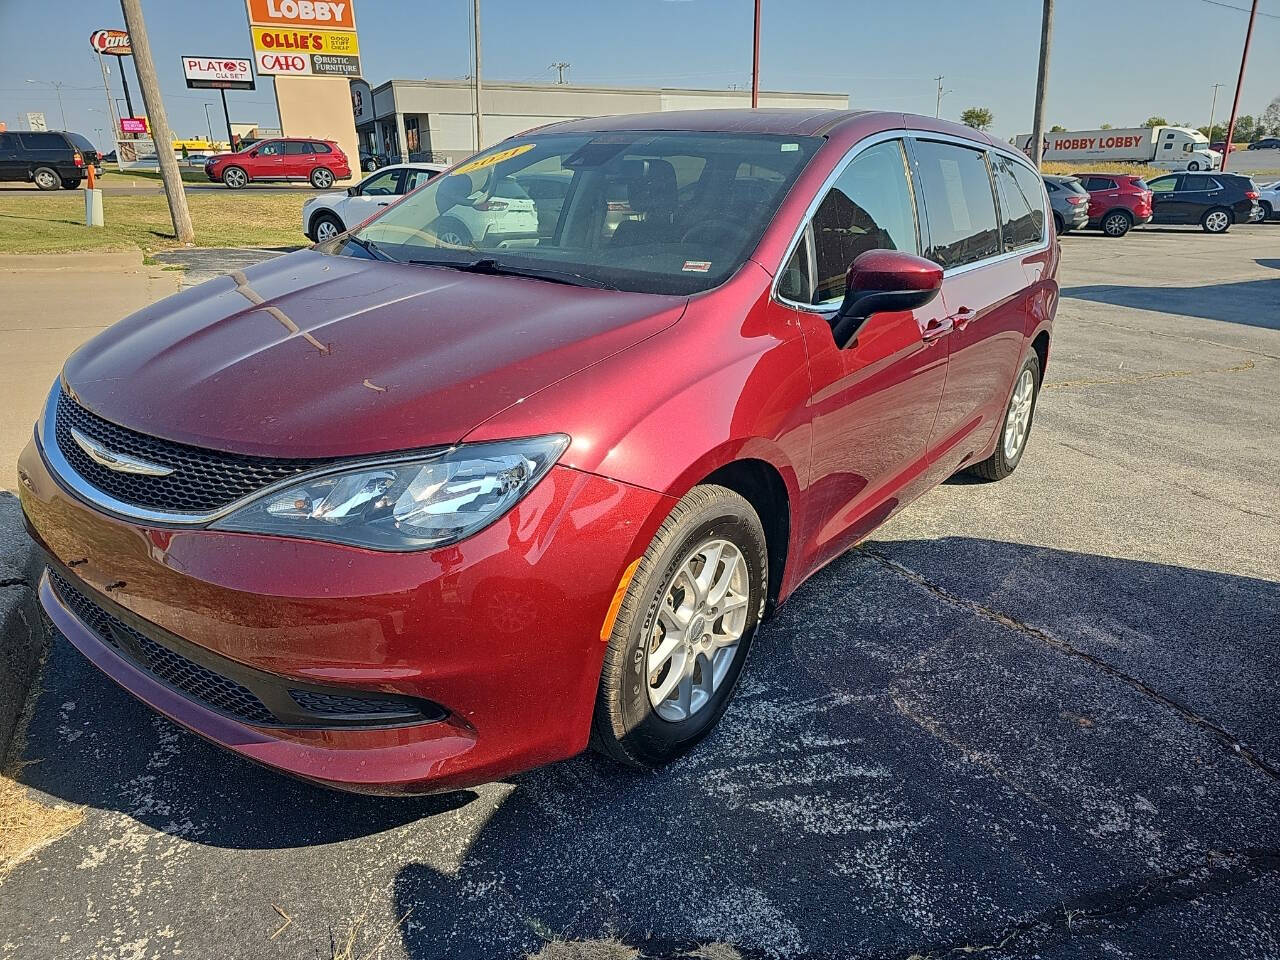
<point x="120" y="462"/>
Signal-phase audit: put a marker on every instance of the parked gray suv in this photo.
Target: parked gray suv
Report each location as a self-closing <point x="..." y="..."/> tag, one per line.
<point x="1070" y="201"/>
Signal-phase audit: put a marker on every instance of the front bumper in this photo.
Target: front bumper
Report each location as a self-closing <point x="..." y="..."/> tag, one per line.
<point x="501" y="631"/>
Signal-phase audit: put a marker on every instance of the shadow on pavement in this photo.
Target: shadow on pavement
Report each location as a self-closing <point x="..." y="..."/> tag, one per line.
<point x="934" y="740"/>
<point x="1225" y="302"/>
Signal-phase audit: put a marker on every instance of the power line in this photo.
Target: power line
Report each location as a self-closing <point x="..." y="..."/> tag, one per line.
<point x="1219" y="3"/>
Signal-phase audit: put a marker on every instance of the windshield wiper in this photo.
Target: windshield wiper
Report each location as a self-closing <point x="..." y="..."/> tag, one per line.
<point x="371" y="248"/>
<point x="494" y="268"/>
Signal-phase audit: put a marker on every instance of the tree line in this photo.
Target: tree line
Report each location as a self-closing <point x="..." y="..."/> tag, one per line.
<point x="1248" y="127"/>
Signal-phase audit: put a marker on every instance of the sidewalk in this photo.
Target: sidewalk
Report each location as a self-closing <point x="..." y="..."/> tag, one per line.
<point x="49" y="305"/>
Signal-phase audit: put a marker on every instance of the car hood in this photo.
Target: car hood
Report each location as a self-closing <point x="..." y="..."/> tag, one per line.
<point x="315" y="355"/>
<point x="328" y="199"/>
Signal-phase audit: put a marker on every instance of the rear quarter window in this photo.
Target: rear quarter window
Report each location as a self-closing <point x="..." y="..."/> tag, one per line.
<point x="958" y="200"/>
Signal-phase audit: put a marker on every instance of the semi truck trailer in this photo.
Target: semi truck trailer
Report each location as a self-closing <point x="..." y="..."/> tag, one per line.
<point x="1170" y="148"/>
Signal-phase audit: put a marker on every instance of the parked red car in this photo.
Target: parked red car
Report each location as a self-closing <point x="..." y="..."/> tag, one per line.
<point x="285" y="158"/>
<point x="1117" y="202"/>
<point x="399" y="514"/>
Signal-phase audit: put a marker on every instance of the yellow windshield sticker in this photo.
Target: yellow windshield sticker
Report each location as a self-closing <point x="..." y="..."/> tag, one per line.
<point x="494" y="158"/>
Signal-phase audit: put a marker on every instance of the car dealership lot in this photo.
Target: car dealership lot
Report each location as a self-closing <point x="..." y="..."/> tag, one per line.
<point x="1036" y="714"/>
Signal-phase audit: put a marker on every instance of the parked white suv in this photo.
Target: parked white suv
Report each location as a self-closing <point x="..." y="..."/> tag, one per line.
<point x="328" y="214"/>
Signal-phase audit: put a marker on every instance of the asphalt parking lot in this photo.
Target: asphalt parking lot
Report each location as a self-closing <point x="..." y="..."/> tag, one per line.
<point x="1033" y="718"/>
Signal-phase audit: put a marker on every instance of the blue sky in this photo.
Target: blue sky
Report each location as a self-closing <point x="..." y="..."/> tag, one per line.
<point x="1114" y="61"/>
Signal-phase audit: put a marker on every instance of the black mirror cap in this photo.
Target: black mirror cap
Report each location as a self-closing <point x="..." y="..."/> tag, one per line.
<point x="883" y="281"/>
<point x="353" y="191"/>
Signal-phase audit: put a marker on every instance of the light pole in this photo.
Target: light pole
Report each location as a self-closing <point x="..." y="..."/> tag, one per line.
<point x="937" y="110"/>
<point x="1213" y="106"/>
<point x="57" y="86"/>
<point x="208" y="124"/>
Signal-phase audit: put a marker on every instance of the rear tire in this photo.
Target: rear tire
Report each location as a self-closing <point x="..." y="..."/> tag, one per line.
<point x="1015" y="428"/>
<point x="46" y="178"/>
<point x="1117" y="223"/>
<point x="645" y="714"/>
<point x="1217" y="220"/>
<point x="452" y="231"/>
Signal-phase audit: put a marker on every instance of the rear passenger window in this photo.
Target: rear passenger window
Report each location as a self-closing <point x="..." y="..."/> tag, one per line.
<point x="319" y="147"/>
<point x="870" y="207"/>
<point x="1021" y="210"/>
<point x="958" y="200"/>
<point x="43" y="141"/>
<point x="294" y="147"/>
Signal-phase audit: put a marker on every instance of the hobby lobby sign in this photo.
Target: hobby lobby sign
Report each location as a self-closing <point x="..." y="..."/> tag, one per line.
<point x="331" y="14"/>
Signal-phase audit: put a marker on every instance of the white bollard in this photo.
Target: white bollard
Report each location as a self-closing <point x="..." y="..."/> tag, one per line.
<point x="93" y="209"/>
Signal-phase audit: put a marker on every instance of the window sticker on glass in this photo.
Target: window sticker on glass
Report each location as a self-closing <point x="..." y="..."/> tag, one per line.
<point x="494" y="158"/>
<point x="790" y="147"/>
<point x="696" y="266"/>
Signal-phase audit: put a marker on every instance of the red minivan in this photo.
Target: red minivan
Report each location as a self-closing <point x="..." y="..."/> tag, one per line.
<point x="1117" y="202"/>
<point x="397" y="513"/>
<point x="320" y="162"/>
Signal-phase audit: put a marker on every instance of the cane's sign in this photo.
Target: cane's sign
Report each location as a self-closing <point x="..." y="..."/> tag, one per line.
<point x="114" y="42"/>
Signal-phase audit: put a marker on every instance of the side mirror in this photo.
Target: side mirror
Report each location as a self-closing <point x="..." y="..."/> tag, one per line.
<point x="253" y="153"/>
<point x="883" y="281"/>
<point x="353" y="191"/>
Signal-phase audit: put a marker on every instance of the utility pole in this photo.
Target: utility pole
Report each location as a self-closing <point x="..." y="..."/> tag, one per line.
<point x="475" y="80"/>
<point x="111" y="106"/>
<point x="154" y="103"/>
<point x="57" y="86"/>
<point x="208" y="124"/>
<point x="560" y="66"/>
<point x="1235" y="104"/>
<point x="755" y="61"/>
<point x="1042" y="85"/>
<point x="937" y="110"/>
<point x="1213" y="107"/>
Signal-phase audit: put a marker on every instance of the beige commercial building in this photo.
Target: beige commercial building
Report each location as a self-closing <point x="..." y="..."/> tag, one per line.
<point x="435" y="120"/>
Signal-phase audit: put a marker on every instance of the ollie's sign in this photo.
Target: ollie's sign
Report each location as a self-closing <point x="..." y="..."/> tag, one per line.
<point x="114" y="42"/>
<point x="218" y="73"/>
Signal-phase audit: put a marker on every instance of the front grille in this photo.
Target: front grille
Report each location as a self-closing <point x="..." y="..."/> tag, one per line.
<point x="247" y="694"/>
<point x="191" y="678"/>
<point x="202" y="480"/>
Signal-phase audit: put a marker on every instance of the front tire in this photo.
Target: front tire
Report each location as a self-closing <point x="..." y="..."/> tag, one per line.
<point x="325" y="226"/>
<point x="322" y="178"/>
<point x="1267" y="211"/>
<point x="235" y="178"/>
<point x="683" y="630"/>
<point x="1015" y="429"/>
<point x="1193" y="165"/>
<point x="1216" y="220"/>
<point x="46" y="179"/>
<point x="1116" y="223"/>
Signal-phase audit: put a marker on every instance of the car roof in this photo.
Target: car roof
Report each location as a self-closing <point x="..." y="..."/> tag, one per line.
<point x="808" y="121"/>
<point x="435" y="167"/>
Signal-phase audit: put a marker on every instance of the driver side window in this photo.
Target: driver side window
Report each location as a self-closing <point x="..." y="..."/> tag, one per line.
<point x="269" y="149"/>
<point x="381" y="184"/>
<point x="871" y="206"/>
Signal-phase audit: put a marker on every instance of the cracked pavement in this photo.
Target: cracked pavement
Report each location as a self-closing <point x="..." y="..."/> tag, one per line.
<point x="1027" y="719"/>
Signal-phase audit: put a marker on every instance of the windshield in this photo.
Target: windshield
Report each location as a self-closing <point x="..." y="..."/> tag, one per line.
<point x="657" y="212"/>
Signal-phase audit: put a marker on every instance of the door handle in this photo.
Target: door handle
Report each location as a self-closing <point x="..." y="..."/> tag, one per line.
<point x="936" y="328"/>
<point x="384" y="203"/>
<point x="962" y="318"/>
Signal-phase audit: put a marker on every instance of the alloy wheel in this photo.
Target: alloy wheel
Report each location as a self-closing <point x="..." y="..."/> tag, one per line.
<point x="1116" y="225"/>
<point x="326" y="230"/>
<point x="235" y="178"/>
<point x="1217" y="221"/>
<point x="1018" y="422"/>
<point x="322" y="179"/>
<point x="699" y="624"/>
<point x="45" y="180"/>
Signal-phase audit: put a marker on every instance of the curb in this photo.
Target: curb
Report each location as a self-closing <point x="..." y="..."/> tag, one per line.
<point x="22" y="636"/>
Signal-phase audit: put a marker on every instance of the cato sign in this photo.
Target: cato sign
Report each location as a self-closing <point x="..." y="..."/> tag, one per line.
<point x="113" y="42"/>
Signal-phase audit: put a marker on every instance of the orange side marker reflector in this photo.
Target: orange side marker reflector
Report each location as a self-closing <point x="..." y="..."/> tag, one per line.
<point x="606" y="631"/>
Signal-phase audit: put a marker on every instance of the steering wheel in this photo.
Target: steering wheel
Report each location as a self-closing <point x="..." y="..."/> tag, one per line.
<point x="711" y="232"/>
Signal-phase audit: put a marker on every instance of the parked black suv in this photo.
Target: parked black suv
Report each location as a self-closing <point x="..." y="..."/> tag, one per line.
<point x="1213" y="200"/>
<point x="49" y="159"/>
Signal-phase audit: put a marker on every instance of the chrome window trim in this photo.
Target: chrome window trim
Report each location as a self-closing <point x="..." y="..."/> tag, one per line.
<point x="66" y="475"/>
<point x="901" y="133"/>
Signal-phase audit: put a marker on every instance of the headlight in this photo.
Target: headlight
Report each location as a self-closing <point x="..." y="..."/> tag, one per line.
<point x="404" y="504"/>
